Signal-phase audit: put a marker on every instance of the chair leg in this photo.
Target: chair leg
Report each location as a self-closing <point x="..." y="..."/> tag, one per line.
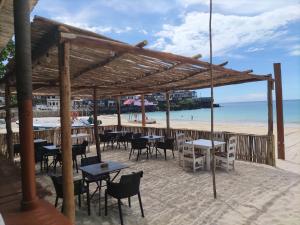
<point x="62" y="207"/>
<point x="79" y="201"/>
<point x="76" y="165"/>
<point x="129" y="202"/>
<point x="100" y="197"/>
<point x="165" y="151"/>
<point x="137" y="157"/>
<point x="147" y="153"/>
<point x="173" y="153"/>
<point x="120" y="211"/>
<point x="156" y="152"/>
<point x="56" y="201"/>
<point x="105" y="208"/>
<point x="130" y="153"/>
<point x="141" y="205"/>
<point x="88" y="199"/>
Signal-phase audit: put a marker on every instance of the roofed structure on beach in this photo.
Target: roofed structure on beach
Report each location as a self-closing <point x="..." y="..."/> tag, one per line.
<point x="7" y="21"/>
<point x="115" y="68"/>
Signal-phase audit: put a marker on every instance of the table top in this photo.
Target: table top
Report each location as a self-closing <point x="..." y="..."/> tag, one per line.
<point x="152" y="137"/>
<point x="80" y="135"/>
<point x="204" y="143"/>
<point x="96" y="170"/>
<point x="118" y="132"/>
<point x="36" y="141"/>
<point x="51" y="147"/>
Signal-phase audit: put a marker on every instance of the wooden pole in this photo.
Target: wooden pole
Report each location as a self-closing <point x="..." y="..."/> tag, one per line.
<point x="65" y="120"/>
<point x="9" y="142"/>
<point x="212" y="104"/>
<point x="279" y="111"/>
<point x="143" y="111"/>
<point x="24" y="95"/>
<point x="271" y="150"/>
<point x="98" y="150"/>
<point x="118" y="104"/>
<point x="168" y="112"/>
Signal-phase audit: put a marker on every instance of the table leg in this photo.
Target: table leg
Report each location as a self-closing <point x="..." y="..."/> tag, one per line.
<point x="208" y="162"/>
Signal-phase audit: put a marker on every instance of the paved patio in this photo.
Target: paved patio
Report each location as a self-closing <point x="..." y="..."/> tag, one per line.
<point x="252" y="194"/>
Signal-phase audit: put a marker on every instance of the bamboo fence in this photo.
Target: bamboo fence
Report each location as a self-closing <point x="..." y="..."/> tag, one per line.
<point x="250" y="147"/>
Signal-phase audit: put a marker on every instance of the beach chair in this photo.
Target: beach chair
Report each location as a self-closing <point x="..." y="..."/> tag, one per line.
<point x="227" y="158"/>
<point x="192" y="157"/>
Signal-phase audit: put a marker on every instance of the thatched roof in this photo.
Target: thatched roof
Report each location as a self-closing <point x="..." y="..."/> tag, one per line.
<point x="115" y="68"/>
<point x="7" y="21"/>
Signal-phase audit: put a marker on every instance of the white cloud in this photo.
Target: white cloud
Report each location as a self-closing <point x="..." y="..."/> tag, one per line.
<point x="254" y="49"/>
<point x="242" y="6"/>
<point x="96" y="29"/>
<point x="295" y="50"/>
<point x="229" y="31"/>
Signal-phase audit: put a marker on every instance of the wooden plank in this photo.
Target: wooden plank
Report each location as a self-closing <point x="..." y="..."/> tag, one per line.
<point x="279" y="111"/>
<point x="9" y="144"/>
<point x="118" y="104"/>
<point x="65" y="120"/>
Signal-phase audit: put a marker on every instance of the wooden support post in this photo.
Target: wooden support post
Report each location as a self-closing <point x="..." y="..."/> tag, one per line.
<point x="9" y="142"/>
<point x="168" y="113"/>
<point x="279" y="111"/>
<point x="118" y="104"/>
<point x="271" y="150"/>
<point x="65" y="120"/>
<point x="97" y="141"/>
<point x="143" y="111"/>
<point x="24" y="95"/>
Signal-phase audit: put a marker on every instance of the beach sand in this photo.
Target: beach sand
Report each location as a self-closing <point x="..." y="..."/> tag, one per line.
<point x="253" y="194"/>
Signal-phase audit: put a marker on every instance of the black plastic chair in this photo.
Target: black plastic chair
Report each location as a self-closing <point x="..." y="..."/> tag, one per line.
<point x="128" y="186"/>
<point x="124" y="139"/>
<point x="167" y="144"/>
<point x="17" y="149"/>
<point x="92" y="179"/>
<point x="139" y="144"/>
<point x="75" y="152"/>
<point x="79" y="189"/>
<point x="107" y="138"/>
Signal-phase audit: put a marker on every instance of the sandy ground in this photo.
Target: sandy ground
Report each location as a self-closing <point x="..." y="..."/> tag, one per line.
<point x="253" y="194"/>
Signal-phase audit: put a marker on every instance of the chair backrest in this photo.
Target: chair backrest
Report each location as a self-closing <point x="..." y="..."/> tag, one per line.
<point x="180" y="141"/>
<point x="58" y="186"/>
<point x="139" y="143"/>
<point x="188" y="150"/>
<point x="17" y="148"/>
<point x="128" y="135"/>
<point x="107" y="131"/>
<point x="169" y="143"/>
<point x="85" y="143"/>
<point x="136" y="135"/>
<point x="130" y="183"/>
<point x="231" y="146"/>
<point x="90" y="160"/>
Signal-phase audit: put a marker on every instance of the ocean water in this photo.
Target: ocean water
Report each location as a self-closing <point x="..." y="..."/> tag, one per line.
<point x="235" y="112"/>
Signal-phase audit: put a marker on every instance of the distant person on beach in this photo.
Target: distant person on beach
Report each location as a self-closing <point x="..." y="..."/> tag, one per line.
<point x="192" y="117"/>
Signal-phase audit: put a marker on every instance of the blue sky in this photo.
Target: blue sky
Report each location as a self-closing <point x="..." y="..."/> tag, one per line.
<point x="250" y="34"/>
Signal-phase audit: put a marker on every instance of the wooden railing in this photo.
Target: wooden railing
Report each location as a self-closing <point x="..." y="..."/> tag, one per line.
<point x="250" y="147"/>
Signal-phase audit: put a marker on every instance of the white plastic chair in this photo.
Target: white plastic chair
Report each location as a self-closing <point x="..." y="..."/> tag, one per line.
<point x="192" y="157"/>
<point x="226" y="159"/>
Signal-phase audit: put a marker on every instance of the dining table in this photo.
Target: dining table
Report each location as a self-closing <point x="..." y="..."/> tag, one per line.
<point x="97" y="172"/>
<point x="206" y="145"/>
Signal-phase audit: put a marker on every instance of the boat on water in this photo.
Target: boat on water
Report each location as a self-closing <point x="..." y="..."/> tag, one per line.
<point x="54" y="122"/>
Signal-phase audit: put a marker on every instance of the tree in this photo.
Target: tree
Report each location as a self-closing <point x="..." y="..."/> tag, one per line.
<point x="6" y="54"/>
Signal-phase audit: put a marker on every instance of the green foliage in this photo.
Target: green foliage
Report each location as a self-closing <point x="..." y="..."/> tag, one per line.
<point x="6" y="54"/>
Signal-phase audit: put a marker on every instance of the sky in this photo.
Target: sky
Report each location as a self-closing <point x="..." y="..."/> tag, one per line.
<point x="250" y="34"/>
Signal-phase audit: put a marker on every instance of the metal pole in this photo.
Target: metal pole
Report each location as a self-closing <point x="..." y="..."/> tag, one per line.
<point x="24" y="95"/>
<point x="212" y="105"/>
<point x="271" y="150"/>
<point x="279" y="111"/>
<point x="96" y="135"/>
<point x="143" y="111"/>
<point x="118" y="101"/>
<point x="65" y="120"/>
<point x="168" y="112"/>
